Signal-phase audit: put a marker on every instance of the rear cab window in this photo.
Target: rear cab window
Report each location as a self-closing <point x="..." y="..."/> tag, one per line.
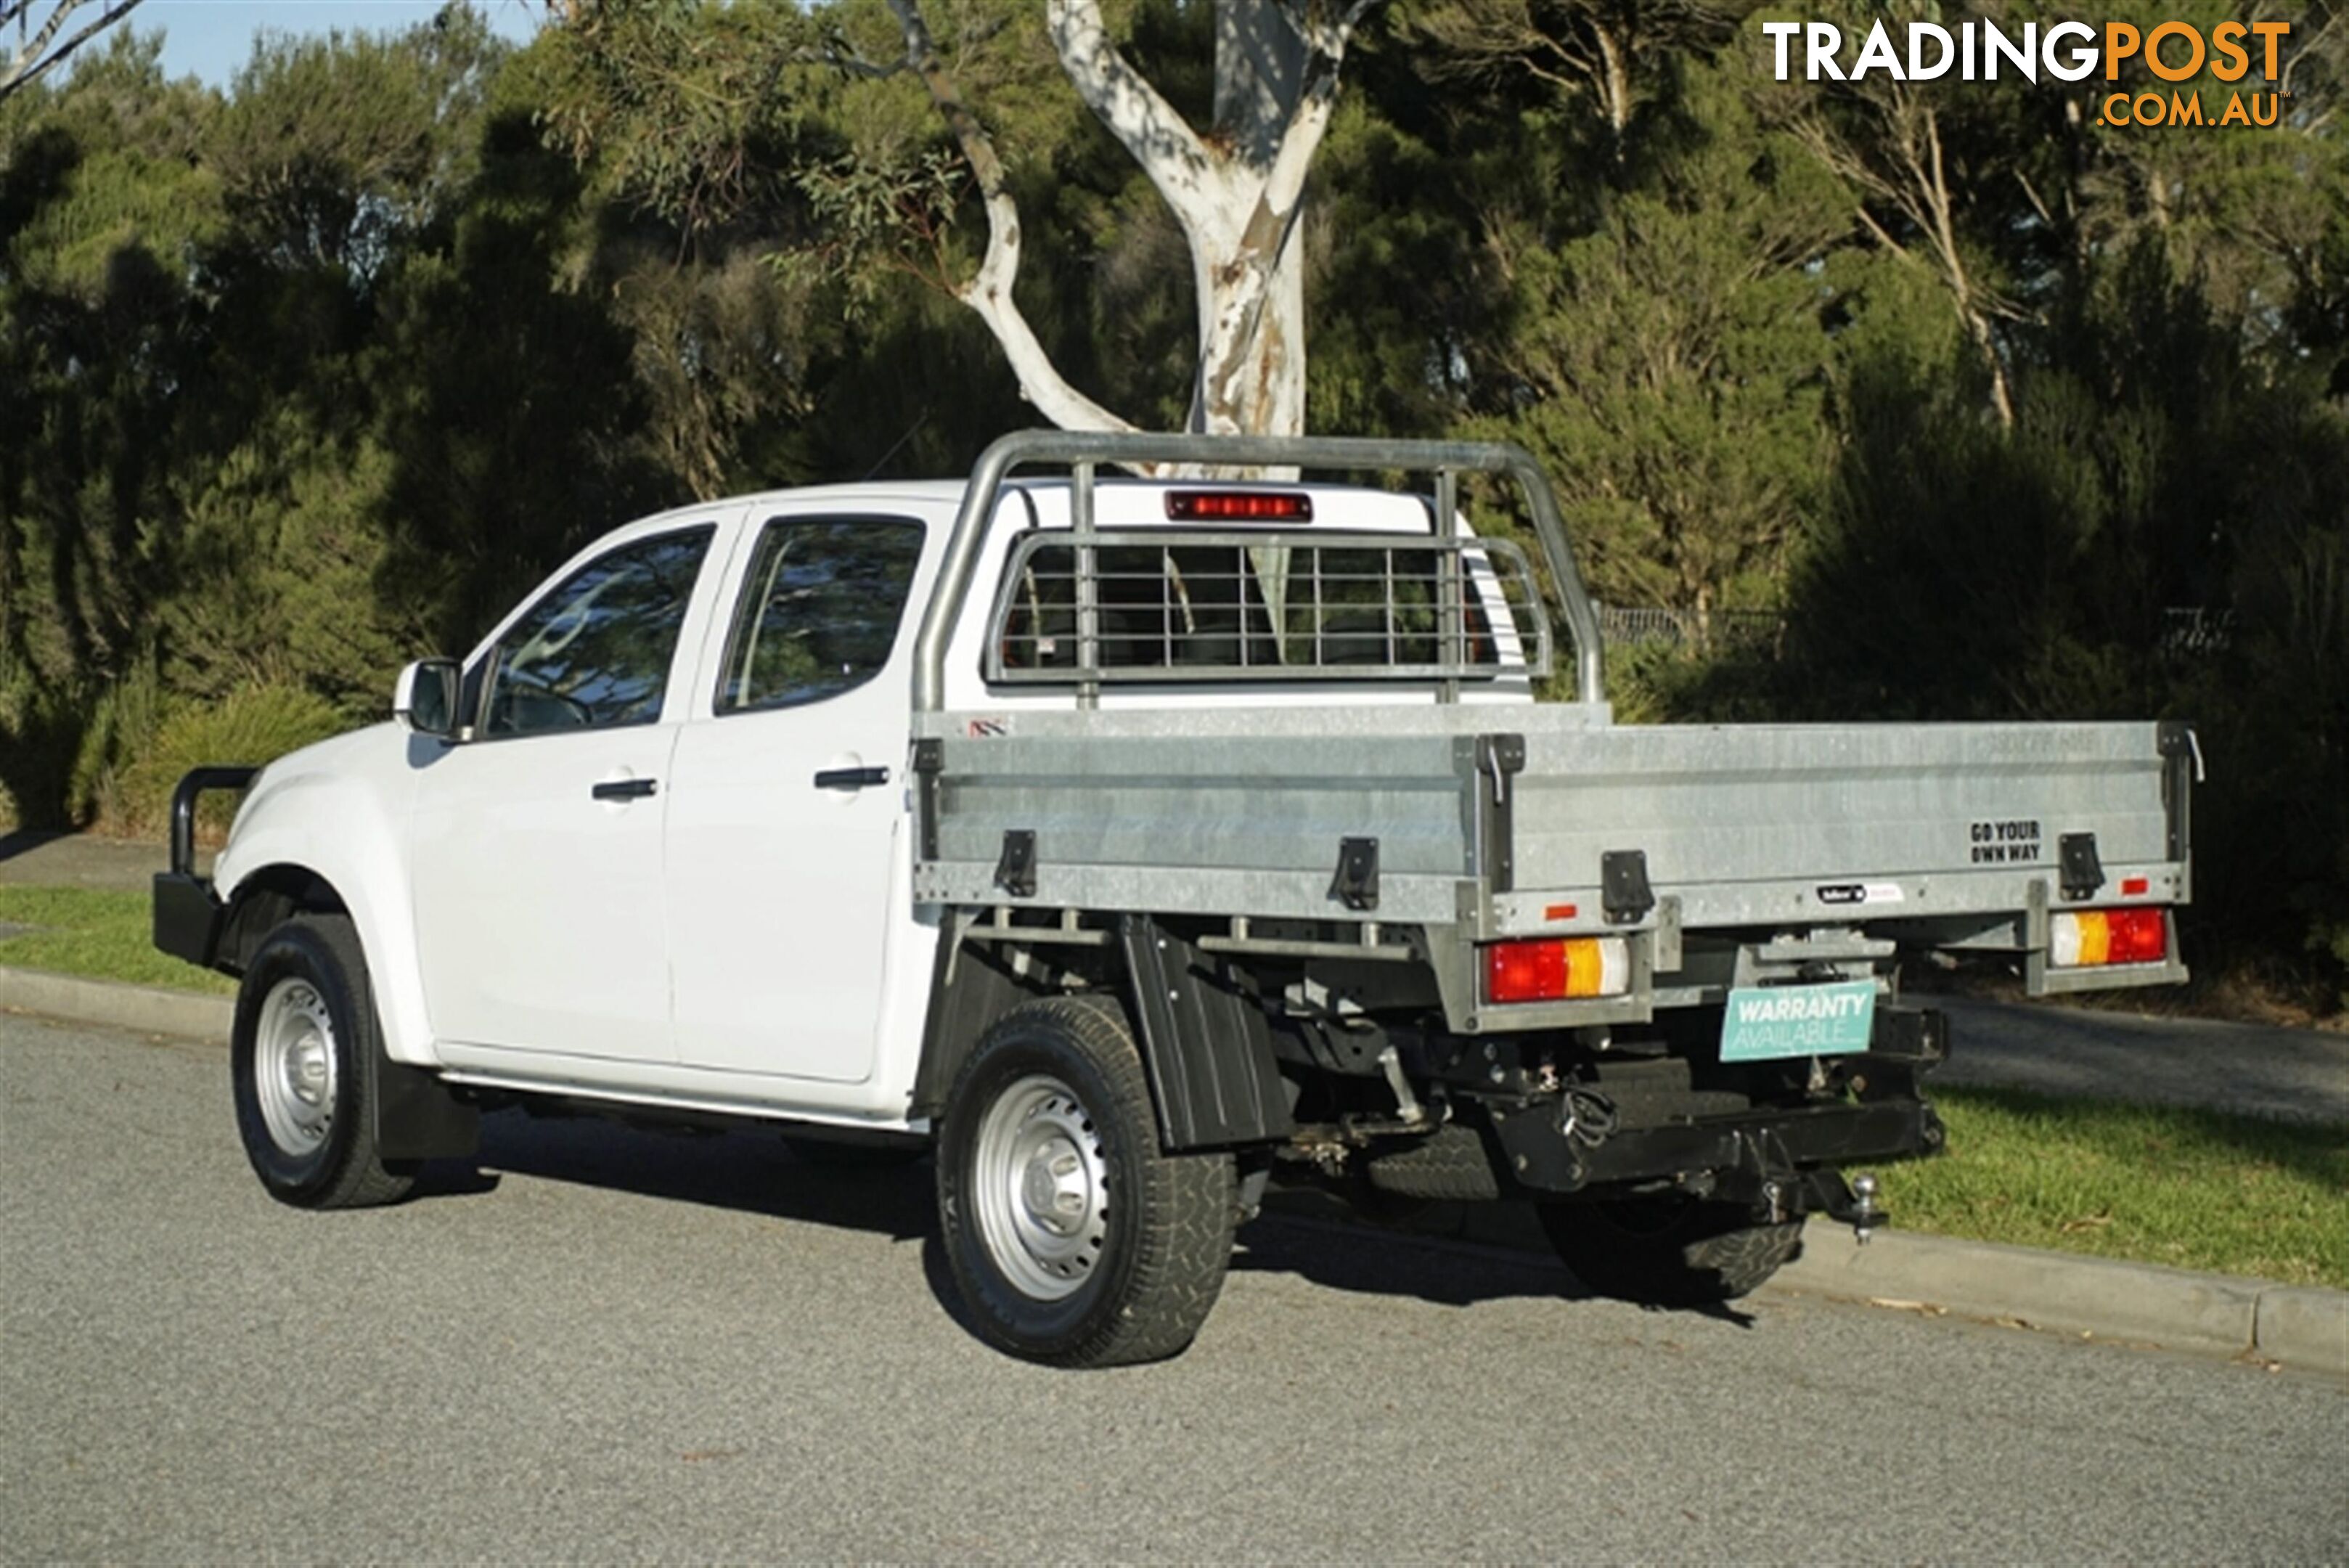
<point x="819" y="612"/>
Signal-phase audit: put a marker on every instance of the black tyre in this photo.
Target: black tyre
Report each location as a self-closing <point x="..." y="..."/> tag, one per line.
<point x="1451" y="1164"/>
<point x="1669" y="1250"/>
<point x="1073" y="1240"/>
<point x="302" y="1069"/>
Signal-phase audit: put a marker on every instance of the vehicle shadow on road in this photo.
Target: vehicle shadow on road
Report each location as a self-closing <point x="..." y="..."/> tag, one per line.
<point x="1372" y="1261"/>
<point x="749" y="1170"/>
<point x="754" y="1172"/>
<point x="1369" y="1261"/>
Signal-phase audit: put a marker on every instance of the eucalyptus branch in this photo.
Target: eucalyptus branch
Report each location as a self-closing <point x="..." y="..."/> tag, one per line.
<point x="990" y="291"/>
<point x="35" y="59"/>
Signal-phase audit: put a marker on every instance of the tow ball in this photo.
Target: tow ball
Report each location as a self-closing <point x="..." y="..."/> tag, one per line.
<point x="1865" y="1215"/>
<point x="1851" y="1202"/>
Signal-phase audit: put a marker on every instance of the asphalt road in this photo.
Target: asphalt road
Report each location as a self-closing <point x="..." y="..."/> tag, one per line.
<point x="609" y="1345"/>
<point x="2284" y="1074"/>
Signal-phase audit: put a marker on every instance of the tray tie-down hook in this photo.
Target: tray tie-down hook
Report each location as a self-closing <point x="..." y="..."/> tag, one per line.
<point x="1355" y="884"/>
<point x="1014" y="869"/>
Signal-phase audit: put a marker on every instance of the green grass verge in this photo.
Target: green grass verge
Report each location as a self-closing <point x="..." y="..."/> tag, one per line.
<point x="2188" y="1189"/>
<point x="99" y="933"/>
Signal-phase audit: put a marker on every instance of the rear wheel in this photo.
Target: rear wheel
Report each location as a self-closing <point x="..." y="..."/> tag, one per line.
<point x="301" y="1070"/>
<point x="1073" y="1239"/>
<point x="1669" y="1250"/>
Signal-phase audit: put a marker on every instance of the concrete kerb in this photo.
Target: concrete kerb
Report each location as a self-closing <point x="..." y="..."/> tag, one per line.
<point x="148" y="1009"/>
<point x="2304" y="1328"/>
<point x="2133" y="1302"/>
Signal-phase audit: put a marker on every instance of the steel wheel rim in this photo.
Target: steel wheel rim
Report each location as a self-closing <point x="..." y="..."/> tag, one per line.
<point x="294" y="1066"/>
<point x="1041" y="1188"/>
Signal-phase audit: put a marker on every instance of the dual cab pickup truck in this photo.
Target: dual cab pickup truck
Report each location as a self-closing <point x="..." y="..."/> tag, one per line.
<point x="1128" y="843"/>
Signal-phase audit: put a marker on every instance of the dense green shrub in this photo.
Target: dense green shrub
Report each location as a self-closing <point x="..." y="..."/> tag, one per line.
<point x="252" y="725"/>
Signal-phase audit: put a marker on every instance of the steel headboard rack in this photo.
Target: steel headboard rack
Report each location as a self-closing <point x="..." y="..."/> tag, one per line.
<point x="1086" y="451"/>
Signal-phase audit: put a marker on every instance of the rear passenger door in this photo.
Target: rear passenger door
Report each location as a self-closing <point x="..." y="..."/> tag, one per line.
<point x="787" y="818"/>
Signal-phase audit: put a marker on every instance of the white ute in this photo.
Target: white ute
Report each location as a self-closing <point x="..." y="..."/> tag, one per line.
<point x="1126" y="841"/>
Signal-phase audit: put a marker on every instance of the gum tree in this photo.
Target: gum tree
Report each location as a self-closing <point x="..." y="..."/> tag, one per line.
<point x="684" y="101"/>
<point x="41" y="43"/>
<point x="1236" y="190"/>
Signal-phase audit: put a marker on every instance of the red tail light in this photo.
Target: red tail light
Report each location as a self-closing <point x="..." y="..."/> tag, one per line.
<point x="1238" y="506"/>
<point x="2139" y="936"/>
<point x="2096" y="937"/>
<point x="1554" y="969"/>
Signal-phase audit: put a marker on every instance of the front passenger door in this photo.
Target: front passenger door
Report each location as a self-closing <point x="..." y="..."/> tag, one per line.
<point x="537" y="843"/>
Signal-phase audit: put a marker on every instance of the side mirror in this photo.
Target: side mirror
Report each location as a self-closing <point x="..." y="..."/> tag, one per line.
<point x="426" y="697"/>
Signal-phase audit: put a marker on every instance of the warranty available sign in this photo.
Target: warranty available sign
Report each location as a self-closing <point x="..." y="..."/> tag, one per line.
<point x="1764" y="1022"/>
<point x="2244" y="58"/>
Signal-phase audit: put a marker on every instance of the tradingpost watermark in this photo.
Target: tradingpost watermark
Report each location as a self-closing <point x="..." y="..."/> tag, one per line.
<point x="2244" y="58"/>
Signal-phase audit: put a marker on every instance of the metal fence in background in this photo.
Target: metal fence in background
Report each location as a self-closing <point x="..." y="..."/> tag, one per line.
<point x="2194" y="632"/>
<point x="1639" y="626"/>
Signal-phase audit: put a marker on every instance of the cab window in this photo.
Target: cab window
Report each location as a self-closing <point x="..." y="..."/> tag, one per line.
<point x="820" y="610"/>
<point x="595" y="653"/>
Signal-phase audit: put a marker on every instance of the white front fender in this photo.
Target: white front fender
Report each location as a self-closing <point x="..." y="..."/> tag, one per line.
<point x="339" y="810"/>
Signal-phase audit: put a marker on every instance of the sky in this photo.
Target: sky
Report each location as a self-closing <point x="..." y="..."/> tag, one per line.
<point x="211" y="38"/>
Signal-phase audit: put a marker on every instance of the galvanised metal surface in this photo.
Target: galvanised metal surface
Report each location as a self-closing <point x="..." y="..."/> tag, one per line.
<point x="1396" y="718"/>
<point x="1173" y="889"/>
<point x="1992" y="908"/>
<point x="1230" y="802"/>
<point x="1490" y="818"/>
<point x="1087" y="449"/>
<point x="1759" y="803"/>
<point x="1241" y="813"/>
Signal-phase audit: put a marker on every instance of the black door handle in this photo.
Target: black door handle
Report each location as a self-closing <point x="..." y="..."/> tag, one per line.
<point x="851" y="778"/>
<point x="625" y="789"/>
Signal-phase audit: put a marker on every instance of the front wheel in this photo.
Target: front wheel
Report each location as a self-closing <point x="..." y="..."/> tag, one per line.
<point x="1073" y="1240"/>
<point x="1669" y="1250"/>
<point x="301" y="1056"/>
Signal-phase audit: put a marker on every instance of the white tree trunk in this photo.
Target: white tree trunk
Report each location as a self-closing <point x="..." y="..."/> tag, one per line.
<point x="1251" y="375"/>
<point x="1238" y="195"/>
